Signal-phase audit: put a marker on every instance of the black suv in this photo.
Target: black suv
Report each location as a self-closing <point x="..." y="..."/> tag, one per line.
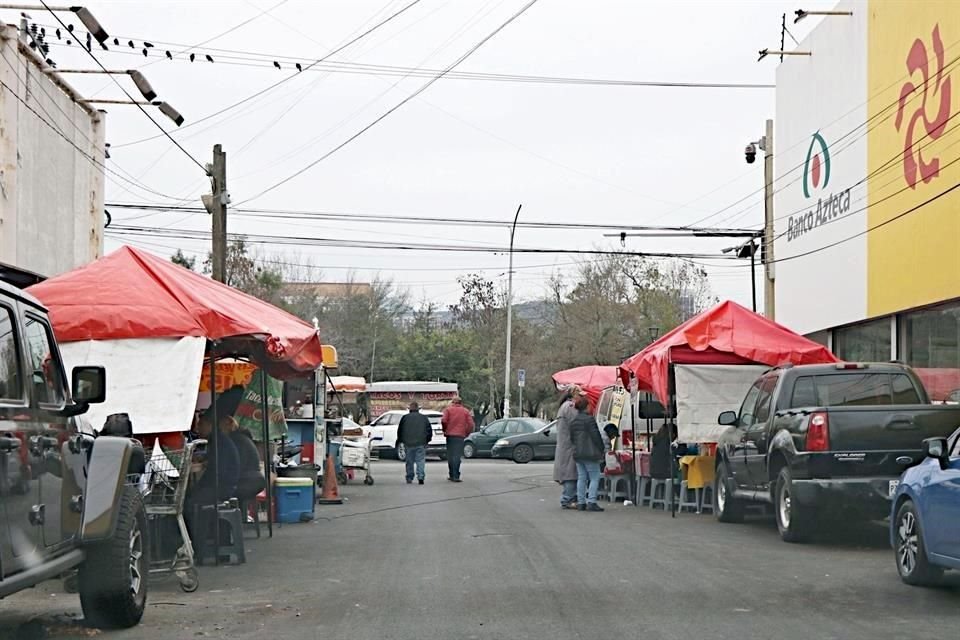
<point x="67" y="507"/>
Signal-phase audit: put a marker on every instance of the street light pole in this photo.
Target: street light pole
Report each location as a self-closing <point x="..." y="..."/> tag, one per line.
<point x="506" y="373"/>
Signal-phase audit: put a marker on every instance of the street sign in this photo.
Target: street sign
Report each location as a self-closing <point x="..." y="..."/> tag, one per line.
<point x="521" y="377"/>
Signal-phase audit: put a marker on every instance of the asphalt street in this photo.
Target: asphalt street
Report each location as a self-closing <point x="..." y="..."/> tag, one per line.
<point x="495" y="557"/>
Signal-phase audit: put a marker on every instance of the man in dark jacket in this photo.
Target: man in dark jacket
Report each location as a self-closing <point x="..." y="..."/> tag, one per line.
<point x="588" y="450"/>
<point x="415" y="432"/>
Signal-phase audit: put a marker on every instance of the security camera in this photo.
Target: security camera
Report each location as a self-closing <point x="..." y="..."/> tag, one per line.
<point x="750" y="153"/>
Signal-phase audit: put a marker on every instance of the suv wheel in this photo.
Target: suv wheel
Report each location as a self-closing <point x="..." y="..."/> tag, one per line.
<point x="401" y="452"/>
<point x="911" y="555"/>
<point x="113" y="578"/>
<point x="794" y="522"/>
<point x="726" y="508"/>
<point x="469" y="450"/>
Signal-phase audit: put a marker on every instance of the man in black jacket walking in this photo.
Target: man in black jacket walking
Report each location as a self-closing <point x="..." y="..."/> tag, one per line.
<point x="415" y="432"/>
<point x="588" y="450"/>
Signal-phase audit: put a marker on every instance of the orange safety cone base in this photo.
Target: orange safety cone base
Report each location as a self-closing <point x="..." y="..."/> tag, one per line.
<point x="330" y="493"/>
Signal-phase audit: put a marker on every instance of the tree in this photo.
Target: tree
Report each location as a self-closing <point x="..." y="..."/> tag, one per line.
<point x="185" y="261"/>
<point x="605" y="315"/>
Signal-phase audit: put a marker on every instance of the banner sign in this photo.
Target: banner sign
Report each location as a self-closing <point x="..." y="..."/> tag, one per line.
<point x="250" y="411"/>
<point x="382" y="401"/>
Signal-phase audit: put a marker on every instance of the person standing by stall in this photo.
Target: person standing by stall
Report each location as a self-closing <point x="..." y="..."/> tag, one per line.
<point x="414" y="432"/>
<point x="588" y="451"/>
<point x="457" y="423"/>
<point x="564" y="467"/>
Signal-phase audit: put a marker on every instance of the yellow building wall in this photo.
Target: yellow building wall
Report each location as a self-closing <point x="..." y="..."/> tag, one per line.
<point x="913" y="153"/>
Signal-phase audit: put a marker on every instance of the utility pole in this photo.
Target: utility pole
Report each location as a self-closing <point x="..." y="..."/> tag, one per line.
<point x="506" y="371"/>
<point x="216" y="205"/>
<point x="769" y="272"/>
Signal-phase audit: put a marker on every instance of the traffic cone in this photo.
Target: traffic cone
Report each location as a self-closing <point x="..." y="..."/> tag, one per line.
<point x="330" y="493"/>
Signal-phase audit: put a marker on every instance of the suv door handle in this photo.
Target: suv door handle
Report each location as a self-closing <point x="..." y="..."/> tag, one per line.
<point x="9" y="443"/>
<point x="39" y="444"/>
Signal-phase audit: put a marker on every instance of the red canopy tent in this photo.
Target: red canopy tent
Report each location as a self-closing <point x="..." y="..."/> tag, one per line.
<point x="134" y="294"/>
<point x="725" y="334"/>
<point x="593" y="379"/>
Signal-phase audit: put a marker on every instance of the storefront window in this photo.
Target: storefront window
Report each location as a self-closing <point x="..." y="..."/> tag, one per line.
<point x="820" y="337"/>
<point x="930" y="341"/>
<point x="867" y="342"/>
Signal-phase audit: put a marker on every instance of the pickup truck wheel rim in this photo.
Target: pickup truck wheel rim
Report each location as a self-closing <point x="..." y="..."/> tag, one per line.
<point x="785" y="507"/>
<point x="136" y="557"/>
<point x="908" y="543"/>
<point x="721" y="495"/>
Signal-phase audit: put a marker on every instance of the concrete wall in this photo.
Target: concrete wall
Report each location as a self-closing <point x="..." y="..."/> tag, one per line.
<point x="51" y="167"/>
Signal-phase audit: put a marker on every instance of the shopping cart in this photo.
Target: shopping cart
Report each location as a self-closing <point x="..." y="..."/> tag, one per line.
<point x="164" y="488"/>
<point x="355" y="454"/>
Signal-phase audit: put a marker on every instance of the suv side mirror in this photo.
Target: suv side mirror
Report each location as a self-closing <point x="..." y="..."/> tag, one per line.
<point x="89" y="385"/>
<point x="936" y="448"/>
<point x="727" y="419"/>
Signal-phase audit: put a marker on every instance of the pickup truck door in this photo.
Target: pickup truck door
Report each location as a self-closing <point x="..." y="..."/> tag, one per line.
<point x="736" y="445"/>
<point x="756" y="436"/>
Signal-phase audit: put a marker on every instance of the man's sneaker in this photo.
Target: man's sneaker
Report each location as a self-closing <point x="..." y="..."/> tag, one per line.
<point x="409" y="480"/>
<point x="569" y="505"/>
<point x="456" y="480"/>
<point x="581" y="507"/>
<point x="420" y="480"/>
<point x="593" y="506"/>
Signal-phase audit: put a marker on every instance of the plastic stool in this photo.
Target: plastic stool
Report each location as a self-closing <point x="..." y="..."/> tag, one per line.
<point x="655" y="486"/>
<point x="643" y="491"/>
<point x="685" y="501"/>
<point x="603" y="490"/>
<point x="251" y="508"/>
<point x="706" y="499"/>
<point x="615" y="483"/>
<point x="231" y="549"/>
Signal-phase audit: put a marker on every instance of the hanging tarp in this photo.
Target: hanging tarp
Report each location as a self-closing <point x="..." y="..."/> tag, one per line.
<point x="704" y="391"/>
<point x="153" y="380"/>
<point x="726" y="334"/>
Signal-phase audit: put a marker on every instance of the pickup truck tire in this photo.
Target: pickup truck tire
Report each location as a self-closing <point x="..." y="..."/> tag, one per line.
<point x="113" y="578"/>
<point x="795" y="522"/>
<point x="726" y="508"/>
<point x="909" y="550"/>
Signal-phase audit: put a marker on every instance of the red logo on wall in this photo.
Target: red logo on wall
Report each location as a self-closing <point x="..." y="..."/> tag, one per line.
<point x="933" y="89"/>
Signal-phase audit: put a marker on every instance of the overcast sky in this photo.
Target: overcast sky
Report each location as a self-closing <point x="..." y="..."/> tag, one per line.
<point x="463" y="148"/>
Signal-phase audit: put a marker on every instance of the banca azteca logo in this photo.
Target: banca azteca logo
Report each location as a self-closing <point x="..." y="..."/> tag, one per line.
<point x="816" y="170"/>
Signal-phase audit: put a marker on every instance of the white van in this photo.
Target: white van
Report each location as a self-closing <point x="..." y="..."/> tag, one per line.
<point x="384" y="435"/>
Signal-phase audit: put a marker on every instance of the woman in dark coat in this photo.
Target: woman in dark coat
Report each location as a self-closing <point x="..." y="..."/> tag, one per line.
<point x="588" y="450"/>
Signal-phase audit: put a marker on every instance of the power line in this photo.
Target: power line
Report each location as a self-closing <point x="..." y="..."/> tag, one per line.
<point x="427" y="220"/>
<point x="803" y="141"/>
<point x="283" y="80"/>
<point x="389" y="246"/>
<point x="397" y="106"/>
<point x="234" y="57"/>
<point x="127" y="93"/>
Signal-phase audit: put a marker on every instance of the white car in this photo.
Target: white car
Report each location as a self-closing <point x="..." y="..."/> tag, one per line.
<point x="385" y="435"/>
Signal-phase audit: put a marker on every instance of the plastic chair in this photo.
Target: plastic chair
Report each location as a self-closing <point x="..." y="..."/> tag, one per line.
<point x="251" y="508"/>
<point x="231" y="548"/>
<point x="660" y="493"/>
<point x="644" y="495"/>
<point x="686" y="502"/>
<point x="603" y="490"/>
<point x="616" y="493"/>
<point x="706" y="499"/>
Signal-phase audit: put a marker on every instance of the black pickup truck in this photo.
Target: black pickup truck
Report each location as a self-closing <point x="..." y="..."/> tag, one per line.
<point x="822" y="441"/>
